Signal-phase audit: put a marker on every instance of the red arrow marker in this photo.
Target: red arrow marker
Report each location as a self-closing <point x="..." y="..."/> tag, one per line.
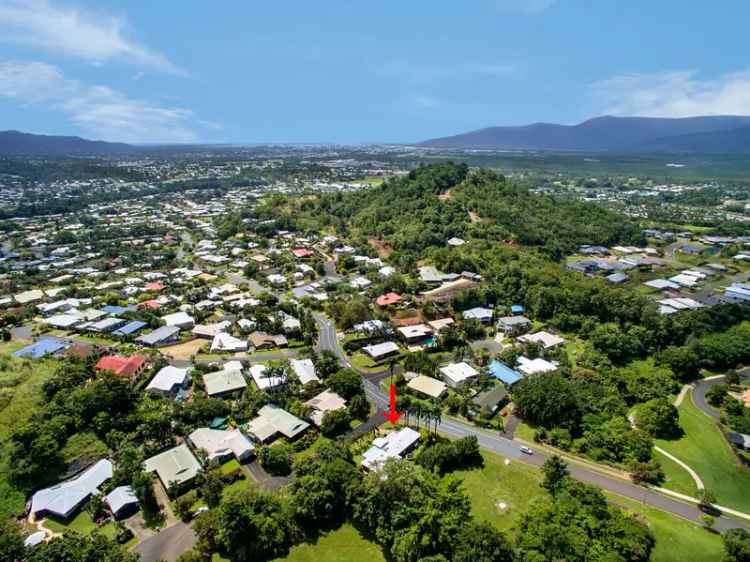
<point x="393" y="415"/>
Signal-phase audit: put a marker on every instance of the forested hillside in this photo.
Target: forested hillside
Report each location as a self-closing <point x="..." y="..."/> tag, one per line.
<point x="434" y="203"/>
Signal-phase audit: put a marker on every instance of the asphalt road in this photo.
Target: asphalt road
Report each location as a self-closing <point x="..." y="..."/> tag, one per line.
<point x="510" y="449"/>
<point x="701" y="387"/>
<point x="168" y="544"/>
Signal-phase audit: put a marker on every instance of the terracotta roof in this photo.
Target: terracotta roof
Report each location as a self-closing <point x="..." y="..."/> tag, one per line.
<point x="388" y="298"/>
<point x="120" y="365"/>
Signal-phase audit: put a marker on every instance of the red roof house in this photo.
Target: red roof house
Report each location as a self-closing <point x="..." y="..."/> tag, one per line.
<point x="388" y="299"/>
<point x="302" y="252"/>
<point x="151" y="304"/>
<point x="155" y="286"/>
<point x="120" y="365"/>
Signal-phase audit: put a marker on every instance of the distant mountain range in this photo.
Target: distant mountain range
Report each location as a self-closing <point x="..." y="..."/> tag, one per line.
<point x="713" y="134"/>
<point x="16" y="143"/>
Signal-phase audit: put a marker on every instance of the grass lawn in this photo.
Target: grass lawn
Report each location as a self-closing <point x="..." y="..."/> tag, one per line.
<point x="677" y="478"/>
<point x="81" y="523"/>
<point x="229" y="466"/>
<point x="677" y="539"/>
<point x="514" y="484"/>
<point x="525" y="431"/>
<point x="342" y="545"/>
<point x="364" y="363"/>
<point x="704" y="449"/>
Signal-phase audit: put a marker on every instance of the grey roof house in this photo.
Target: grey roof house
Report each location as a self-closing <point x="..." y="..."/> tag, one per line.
<point x="64" y="498"/>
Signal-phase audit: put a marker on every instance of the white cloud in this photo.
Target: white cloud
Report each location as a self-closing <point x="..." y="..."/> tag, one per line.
<point x="99" y="110"/>
<point x="673" y="94"/>
<point x="96" y="38"/>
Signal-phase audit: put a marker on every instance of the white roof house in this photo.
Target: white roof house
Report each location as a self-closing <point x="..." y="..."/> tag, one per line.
<point x="478" y="313"/>
<point x="456" y="374"/>
<point x="180" y="319"/>
<point x="221" y="444"/>
<point x="427" y="385"/>
<point x="326" y="401"/>
<point x="121" y="500"/>
<point x="393" y="446"/>
<point x="63" y="499"/>
<point x="534" y="366"/>
<point x="273" y="420"/>
<point x="258" y="372"/>
<point x="173" y="465"/>
<point x="226" y="381"/>
<point x="545" y="339"/>
<point x="380" y="350"/>
<point x="227" y="342"/>
<point x="304" y="369"/>
<point x="168" y="380"/>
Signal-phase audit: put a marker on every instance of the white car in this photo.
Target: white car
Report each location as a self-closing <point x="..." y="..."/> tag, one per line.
<point x="527" y="450"/>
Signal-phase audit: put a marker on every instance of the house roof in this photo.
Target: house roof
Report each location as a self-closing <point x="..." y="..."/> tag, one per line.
<point x="263" y="381"/>
<point x="477" y="313"/>
<point x="227" y="380"/>
<point x="272" y="419"/>
<point x="120" y="497"/>
<point x="130" y="328"/>
<point x="388" y="299"/>
<point x="491" y="398"/>
<point x="504" y="373"/>
<point x="427" y="385"/>
<point x="546" y="339"/>
<point x="162" y="333"/>
<point x="173" y="465"/>
<point x="65" y="497"/>
<point x="227" y="342"/>
<point x="459" y="372"/>
<point x="167" y="378"/>
<point x="533" y="366"/>
<point x="381" y="349"/>
<point x="121" y="365"/>
<point x="392" y="445"/>
<point x="304" y="369"/>
<point x="220" y="443"/>
<point x="326" y="401"/>
<point x="43" y="346"/>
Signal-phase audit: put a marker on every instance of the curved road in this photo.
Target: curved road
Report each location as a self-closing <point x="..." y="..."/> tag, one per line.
<point x="510" y="449"/>
<point x="702" y="386"/>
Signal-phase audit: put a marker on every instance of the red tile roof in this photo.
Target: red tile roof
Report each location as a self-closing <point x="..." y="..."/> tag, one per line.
<point x="388" y="298"/>
<point x="119" y="365"/>
<point x="302" y="252"/>
<point x="153" y="304"/>
<point x="154" y="286"/>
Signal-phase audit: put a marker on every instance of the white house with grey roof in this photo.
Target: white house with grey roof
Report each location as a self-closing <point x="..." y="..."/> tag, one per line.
<point x="395" y="445"/>
<point x="227" y="381"/>
<point x="273" y="421"/>
<point x="221" y="444"/>
<point x="174" y="465"/>
<point x="122" y="501"/>
<point x="63" y="499"/>
<point x="168" y="381"/>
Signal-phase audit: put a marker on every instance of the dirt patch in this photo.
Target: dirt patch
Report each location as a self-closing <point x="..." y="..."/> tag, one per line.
<point x="383" y="250"/>
<point x="473" y="217"/>
<point x="446" y="196"/>
<point x="184" y="350"/>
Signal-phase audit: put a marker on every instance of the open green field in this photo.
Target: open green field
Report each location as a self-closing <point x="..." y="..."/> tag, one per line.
<point x="342" y="545"/>
<point x="677" y="539"/>
<point x="81" y="523"/>
<point x="704" y="449"/>
<point x="21" y="390"/>
<point x="513" y="484"/>
<point x="677" y="478"/>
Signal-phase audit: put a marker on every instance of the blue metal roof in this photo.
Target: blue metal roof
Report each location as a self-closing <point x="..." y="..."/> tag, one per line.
<point x="42" y="347"/>
<point x="504" y="373"/>
<point x="130" y="328"/>
<point x="113" y="309"/>
<point x="516" y="309"/>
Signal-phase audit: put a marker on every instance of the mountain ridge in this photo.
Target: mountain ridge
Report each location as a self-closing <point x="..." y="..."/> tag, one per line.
<point x="17" y="143"/>
<point x="610" y="133"/>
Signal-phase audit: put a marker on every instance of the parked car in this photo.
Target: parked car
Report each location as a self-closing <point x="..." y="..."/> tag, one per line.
<point x="527" y="450"/>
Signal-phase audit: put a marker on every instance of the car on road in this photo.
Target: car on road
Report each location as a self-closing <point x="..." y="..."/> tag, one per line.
<point x="527" y="450"/>
<point x="198" y="511"/>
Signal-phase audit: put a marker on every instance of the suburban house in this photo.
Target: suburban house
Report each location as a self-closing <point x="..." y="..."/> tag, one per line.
<point x="226" y="382"/>
<point x="162" y="335"/>
<point x="440" y="325"/>
<point x="388" y="299"/>
<point x="264" y="381"/>
<point x="221" y="444"/>
<point x="395" y="445"/>
<point x="415" y="334"/>
<point x="535" y="366"/>
<point x="428" y="386"/>
<point x="273" y="421"/>
<point x="169" y="381"/>
<point x="121" y="365"/>
<point x="174" y="465"/>
<point x="381" y="351"/>
<point x="130" y="328"/>
<point x="224" y="342"/>
<point x="42" y="347"/>
<point x="502" y="372"/>
<point x="305" y="370"/>
<point x="180" y="319"/>
<point x="456" y="374"/>
<point x="545" y="339"/>
<point x="490" y="400"/>
<point x="484" y="315"/>
<point x="513" y="325"/>
<point x="122" y="502"/>
<point x="210" y="330"/>
<point x="262" y="340"/>
<point x="326" y="401"/>
<point x="63" y="499"/>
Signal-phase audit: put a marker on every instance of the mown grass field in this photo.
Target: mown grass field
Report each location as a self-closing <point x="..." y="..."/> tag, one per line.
<point x="342" y="545"/>
<point x="704" y="449"/>
<point x="677" y="478"/>
<point x="677" y="539"/>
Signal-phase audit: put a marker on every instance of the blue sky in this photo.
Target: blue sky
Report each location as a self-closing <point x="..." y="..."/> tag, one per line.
<point x="349" y="72"/>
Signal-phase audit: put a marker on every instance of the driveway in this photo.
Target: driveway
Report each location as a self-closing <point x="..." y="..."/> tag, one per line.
<point x="168" y="545"/>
